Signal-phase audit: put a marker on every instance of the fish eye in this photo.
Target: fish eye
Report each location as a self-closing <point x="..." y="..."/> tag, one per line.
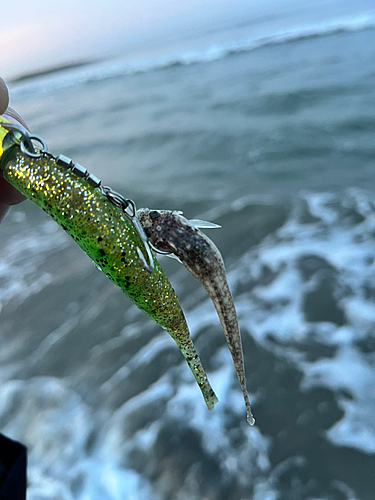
<point x="154" y="215"/>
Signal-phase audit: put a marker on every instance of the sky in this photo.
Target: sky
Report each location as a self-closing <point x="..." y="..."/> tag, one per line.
<point x="43" y="33"/>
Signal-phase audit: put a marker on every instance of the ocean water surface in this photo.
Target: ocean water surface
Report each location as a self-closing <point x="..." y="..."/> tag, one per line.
<point x="268" y="132"/>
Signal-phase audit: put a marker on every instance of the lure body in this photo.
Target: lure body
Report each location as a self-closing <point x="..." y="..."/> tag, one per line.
<point x="172" y="233"/>
<point x="109" y="239"/>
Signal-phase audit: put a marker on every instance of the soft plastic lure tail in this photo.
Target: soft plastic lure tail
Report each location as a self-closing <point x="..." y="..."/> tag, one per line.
<point x="171" y="233"/>
<point x="96" y="218"/>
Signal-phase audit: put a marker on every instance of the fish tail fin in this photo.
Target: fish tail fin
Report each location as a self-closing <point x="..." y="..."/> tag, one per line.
<point x="249" y="414"/>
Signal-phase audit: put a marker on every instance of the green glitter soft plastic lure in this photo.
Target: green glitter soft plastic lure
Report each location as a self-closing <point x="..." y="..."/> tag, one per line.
<point x="98" y="220"/>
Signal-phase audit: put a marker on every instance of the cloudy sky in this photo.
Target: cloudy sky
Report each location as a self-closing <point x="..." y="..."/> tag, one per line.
<point x="43" y="33"/>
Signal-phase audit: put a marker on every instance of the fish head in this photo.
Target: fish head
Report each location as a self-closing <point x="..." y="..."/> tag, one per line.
<point x="164" y="228"/>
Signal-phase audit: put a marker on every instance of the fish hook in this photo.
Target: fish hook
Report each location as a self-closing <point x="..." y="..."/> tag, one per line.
<point x="26" y="144"/>
<point x="27" y="147"/>
<point x="124" y="203"/>
<point x="149" y="266"/>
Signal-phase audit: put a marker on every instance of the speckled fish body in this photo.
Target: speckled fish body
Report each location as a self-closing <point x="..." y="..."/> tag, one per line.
<point x="109" y="239"/>
<point x="172" y="233"/>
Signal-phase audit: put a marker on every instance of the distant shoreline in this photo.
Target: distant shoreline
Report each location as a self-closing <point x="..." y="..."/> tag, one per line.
<point x="51" y="70"/>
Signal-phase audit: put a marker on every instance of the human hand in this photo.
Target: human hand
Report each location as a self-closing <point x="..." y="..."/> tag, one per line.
<point x="8" y="195"/>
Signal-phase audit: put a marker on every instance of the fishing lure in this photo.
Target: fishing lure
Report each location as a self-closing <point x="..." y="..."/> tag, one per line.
<point x="171" y="233"/>
<point x="117" y="238"/>
<point x="105" y="225"/>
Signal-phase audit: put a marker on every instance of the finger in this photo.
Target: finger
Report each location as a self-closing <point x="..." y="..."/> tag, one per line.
<point x="4" y="96"/>
<point x="8" y="194"/>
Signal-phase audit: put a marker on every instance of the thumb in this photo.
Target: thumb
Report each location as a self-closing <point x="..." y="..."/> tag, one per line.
<point x="4" y="96"/>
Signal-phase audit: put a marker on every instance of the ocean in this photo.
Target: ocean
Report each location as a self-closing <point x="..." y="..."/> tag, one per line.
<point x="268" y="130"/>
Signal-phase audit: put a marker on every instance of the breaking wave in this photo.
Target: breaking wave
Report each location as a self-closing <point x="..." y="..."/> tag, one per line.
<point x="213" y="52"/>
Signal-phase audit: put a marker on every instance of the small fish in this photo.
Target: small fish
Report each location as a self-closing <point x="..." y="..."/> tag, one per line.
<point x="76" y="201"/>
<point x="171" y="233"/>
